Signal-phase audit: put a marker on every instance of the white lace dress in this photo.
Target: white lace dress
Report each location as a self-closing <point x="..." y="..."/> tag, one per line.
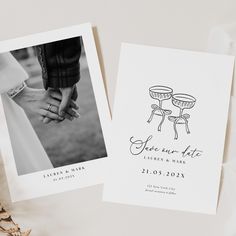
<point x="29" y="154"/>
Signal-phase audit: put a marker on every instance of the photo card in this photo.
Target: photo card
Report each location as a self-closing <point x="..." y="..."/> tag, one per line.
<point x="54" y="114"/>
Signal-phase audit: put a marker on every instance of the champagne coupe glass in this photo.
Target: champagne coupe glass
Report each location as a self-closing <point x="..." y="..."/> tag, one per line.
<point x="182" y="101"/>
<point x="159" y="93"/>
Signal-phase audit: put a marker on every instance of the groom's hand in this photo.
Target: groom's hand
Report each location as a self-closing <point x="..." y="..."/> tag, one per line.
<point x="67" y="94"/>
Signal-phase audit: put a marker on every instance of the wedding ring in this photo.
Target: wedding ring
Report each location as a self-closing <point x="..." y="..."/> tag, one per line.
<point x="49" y="107"/>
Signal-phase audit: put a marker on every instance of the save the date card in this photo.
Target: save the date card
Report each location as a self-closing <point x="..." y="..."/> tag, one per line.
<point x="169" y="126"/>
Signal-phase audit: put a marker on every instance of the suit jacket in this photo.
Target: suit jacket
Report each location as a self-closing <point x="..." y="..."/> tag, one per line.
<point x="60" y="62"/>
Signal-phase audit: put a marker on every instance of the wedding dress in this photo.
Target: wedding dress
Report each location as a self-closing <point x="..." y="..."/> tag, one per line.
<point x="28" y="151"/>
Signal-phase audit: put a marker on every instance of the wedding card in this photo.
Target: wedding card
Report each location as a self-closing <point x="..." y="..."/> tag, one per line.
<point x="46" y="158"/>
<point x="169" y="126"/>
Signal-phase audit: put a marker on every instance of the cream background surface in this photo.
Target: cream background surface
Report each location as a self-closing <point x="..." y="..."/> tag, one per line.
<point x="183" y="24"/>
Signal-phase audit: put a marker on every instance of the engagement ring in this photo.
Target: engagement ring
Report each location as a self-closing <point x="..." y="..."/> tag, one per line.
<point x="49" y="107"/>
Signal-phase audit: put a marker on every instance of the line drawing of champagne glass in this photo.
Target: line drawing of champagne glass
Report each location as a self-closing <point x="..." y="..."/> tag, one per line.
<point x="160" y="93"/>
<point x="182" y="101"/>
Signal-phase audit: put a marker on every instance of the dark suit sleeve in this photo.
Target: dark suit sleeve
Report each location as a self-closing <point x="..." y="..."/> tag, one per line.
<point x="60" y="62"/>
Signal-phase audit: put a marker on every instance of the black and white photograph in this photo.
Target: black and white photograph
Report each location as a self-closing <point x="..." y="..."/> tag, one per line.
<point x="59" y="102"/>
<point x="51" y="110"/>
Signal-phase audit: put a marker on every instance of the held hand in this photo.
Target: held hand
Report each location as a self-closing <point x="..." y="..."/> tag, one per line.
<point x="38" y="101"/>
<point x="70" y="112"/>
<point x="68" y="94"/>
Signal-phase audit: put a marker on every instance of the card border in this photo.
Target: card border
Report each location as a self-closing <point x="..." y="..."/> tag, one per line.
<point x="94" y="173"/>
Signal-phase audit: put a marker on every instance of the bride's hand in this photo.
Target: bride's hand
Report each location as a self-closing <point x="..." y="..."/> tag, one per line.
<point x="44" y="103"/>
<point x="69" y="113"/>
